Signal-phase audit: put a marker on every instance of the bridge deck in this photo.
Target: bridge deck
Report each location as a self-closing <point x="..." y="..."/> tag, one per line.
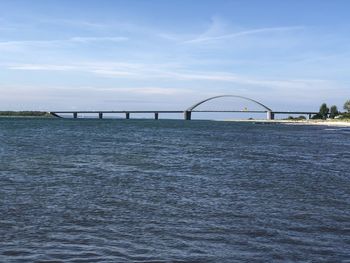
<point x="123" y="111"/>
<point x="187" y="114"/>
<point x="179" y="111"/>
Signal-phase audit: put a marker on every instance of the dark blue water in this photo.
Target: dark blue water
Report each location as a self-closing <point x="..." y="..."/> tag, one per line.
<point x="172" y="191"/>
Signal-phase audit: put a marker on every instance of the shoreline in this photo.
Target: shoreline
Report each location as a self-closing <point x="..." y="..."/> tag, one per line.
<point x="332" y="123"/>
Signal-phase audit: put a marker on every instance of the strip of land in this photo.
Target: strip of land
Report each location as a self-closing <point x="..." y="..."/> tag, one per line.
<point x="24" y="114"/>
<point x="332" y="122"/>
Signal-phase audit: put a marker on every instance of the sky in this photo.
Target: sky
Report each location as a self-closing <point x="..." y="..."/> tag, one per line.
<point x="158" y="54"/>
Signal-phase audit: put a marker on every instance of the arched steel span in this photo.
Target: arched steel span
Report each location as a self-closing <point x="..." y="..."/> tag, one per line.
<point x="222" y="96"/>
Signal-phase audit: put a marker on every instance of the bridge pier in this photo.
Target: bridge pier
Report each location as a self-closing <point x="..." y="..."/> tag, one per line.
<point x="75" y="115"/>
<point x="100" y="115"/>
<point x="187" y="115"/>
<point x="270" y="115"/>
<point x="156" y="115"/>
<point x="127" y="115"/>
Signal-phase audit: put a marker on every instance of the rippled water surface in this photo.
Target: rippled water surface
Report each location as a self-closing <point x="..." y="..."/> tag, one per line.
<point x="172" y="191"/>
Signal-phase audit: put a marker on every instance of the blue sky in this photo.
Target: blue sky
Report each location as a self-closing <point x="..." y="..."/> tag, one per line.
<point x="63" y="55"/>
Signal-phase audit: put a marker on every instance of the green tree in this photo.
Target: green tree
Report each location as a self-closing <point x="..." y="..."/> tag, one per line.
<point x="347" y="106"/>
<point x="324" y="110"/>
<point x="333" y="112"/>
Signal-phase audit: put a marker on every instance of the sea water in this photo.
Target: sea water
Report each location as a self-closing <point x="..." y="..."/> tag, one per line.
<point x="172" y="191"/>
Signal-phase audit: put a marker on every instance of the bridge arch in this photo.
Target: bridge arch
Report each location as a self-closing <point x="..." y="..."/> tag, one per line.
<point x="193" y="107"/>
<point x="225" y="96"/>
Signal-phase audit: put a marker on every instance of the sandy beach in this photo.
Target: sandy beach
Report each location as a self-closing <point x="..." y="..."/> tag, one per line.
<point x="333" y="123"/>
<point x="320" y="122"/>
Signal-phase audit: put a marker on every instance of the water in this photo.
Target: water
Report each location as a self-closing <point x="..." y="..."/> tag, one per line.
<point x="172" y="191"/>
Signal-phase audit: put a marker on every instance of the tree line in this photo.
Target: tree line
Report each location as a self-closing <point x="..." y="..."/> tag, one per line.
<point x="333" y="111"/>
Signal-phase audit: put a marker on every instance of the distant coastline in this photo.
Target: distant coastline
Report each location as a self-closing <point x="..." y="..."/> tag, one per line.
<point x="36" y="114"/>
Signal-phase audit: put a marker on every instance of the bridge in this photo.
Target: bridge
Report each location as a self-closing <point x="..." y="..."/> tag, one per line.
<point x="270" y="114"/>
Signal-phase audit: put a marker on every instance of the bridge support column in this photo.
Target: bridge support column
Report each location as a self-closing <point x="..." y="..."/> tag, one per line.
<point x="127" y="115"/>
<point x="75" y="115"/>
<point x="100" y="115"/>
<point x="270" y="115"/>
<point x="187" y="115"/>
<point x="156" y="115"/>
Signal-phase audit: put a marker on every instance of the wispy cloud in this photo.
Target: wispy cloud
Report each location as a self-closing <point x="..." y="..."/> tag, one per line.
<point x="166" y="72"/>
<point x="58" y="42"/>
<point x="97" y="39"/>
<point x="154" y="91"/>
<point x="85" y="24"/>
<point x="201" y="39"/>
<point x="42" y="67"/>
<point x="114" y="73"/>
<point x="100" y="68"/>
